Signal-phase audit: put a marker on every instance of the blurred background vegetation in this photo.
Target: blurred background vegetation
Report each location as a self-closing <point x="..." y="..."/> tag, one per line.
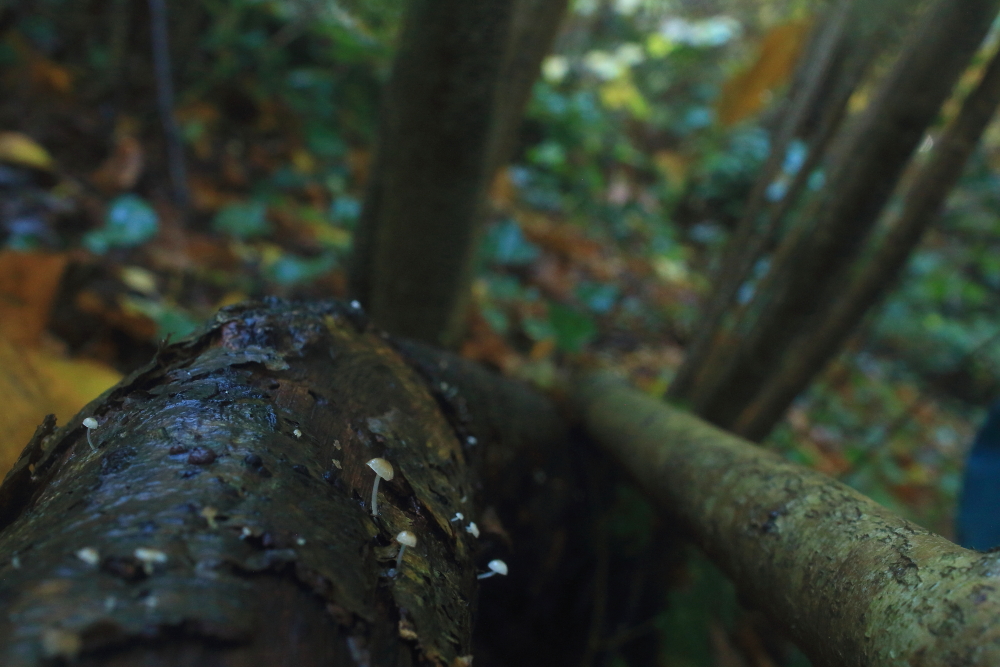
<point x="641" y="142"/>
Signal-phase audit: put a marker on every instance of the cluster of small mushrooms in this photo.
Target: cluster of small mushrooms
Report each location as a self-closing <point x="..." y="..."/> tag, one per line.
<point x="383" y="470"/>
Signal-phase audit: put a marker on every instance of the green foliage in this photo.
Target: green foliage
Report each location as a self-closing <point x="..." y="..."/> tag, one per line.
<point x="704" y="598"/>
<point x="291" y="270"/>
<point x="129" y="221"/>
<point x="242" y="221"/>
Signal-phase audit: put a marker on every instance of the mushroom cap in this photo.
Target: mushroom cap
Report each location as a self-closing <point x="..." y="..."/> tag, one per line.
<point x="382" y="468"/>
<point x="90" y="422"/>
<point x="408" y="539"/>
<point x="498" y="566"/>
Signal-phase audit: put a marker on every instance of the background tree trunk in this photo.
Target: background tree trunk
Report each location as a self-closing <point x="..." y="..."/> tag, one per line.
<point x="460" y="80"/>
<point x="851" y="583"/>
<point x="848" y="39"/>
<point x="222" y="516"/>
<point x="812" y="261"/>
<point x="922" y="203"/>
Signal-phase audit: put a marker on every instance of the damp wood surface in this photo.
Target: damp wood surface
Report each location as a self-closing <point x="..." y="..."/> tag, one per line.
<point x="222" y="515"/>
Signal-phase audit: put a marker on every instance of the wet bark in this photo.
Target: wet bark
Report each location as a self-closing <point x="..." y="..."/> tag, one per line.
<point x="219" y="513"/>
<point x="812" y="261"/>
<point x="851" y="583"/>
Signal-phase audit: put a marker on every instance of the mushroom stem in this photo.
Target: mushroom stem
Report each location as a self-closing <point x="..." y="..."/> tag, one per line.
<point x="90" y="424"/>
<point x="405" y="539"/>
<point x="375" y="496"/>
<point x="399" y="558"/>
<point x="495" y="566"/>
<point x="383" y="470"/>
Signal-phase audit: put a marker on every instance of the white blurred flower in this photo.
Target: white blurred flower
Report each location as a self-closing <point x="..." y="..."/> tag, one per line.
<point x="713" y="31"/>
<point x="555" y="68"/>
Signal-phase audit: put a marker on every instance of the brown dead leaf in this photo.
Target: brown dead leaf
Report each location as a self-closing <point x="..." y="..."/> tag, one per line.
<point x="484" y="345"/>
<point x="206" y="195"/>
<point x="115" y="316"/>
<point x="41" y="381"/>
<point x="751" y="89"/>
<point x="122" y="169"/>
<point x="28" y="284"/>
<point x="502" y="190"/>
<point x="359" y="162"/>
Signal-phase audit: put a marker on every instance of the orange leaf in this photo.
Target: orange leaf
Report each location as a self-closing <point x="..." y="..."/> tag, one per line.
<point x="28" y="284"/>
<point x="34" y="383"/>
<point x="751" y="89"/>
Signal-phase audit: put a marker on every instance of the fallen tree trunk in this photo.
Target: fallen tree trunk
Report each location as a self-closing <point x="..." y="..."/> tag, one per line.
<point x="218" y="513"/>
<point x="850" y="582"/>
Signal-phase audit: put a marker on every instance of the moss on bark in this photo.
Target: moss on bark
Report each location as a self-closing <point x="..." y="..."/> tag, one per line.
<point x="852" y="583"/>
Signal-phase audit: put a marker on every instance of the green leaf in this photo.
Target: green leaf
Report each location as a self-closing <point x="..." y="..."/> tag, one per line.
<point x="242" y="221"/>
<point x="289" y="269"/>
<point x="505" y="244"/>
<point x="573" y="329"/>
<point x="129" y="222"/>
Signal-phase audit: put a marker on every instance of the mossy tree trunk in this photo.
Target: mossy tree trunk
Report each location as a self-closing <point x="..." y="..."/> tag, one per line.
<point x="219" y="513"/>
<point x="851" y="583"/>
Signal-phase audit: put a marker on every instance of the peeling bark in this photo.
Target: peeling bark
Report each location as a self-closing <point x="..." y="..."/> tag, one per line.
<point x="850" y="582"/>
<point x="221" y="517"/>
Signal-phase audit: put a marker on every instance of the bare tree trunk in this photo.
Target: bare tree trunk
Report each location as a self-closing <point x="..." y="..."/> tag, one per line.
<point x="852" y="584"/>
<point x="812" y="261"/>
<point x="460" y="80"/>
<point x="533" y="31"/>
<point x="922" y="203"/>
<point x="220" y="510"/>
<point x="844" y="47"/>
<point x="818" y="64"/>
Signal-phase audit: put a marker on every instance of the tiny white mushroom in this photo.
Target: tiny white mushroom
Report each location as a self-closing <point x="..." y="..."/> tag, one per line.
<point x="91" y="424"/>
<point x="458" y="517"/>
<point x="89" y="555"/>
<point x="472" y="529"/>
<point x="383" y="470"/>
<point x="496" y="567"/>
<point x="209" y="514"/>
<point x="149" y="558"/>
<point x="297" y="433"/>
<point x="405" y="539"/>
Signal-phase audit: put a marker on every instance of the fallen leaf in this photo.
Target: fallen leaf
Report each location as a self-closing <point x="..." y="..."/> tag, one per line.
<point x="20" y="149"/>
<point x="122" y="169"/>
<point x="37" y="382"/>
<point x="751" y="89"/>
<point x="28" y="284"/>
